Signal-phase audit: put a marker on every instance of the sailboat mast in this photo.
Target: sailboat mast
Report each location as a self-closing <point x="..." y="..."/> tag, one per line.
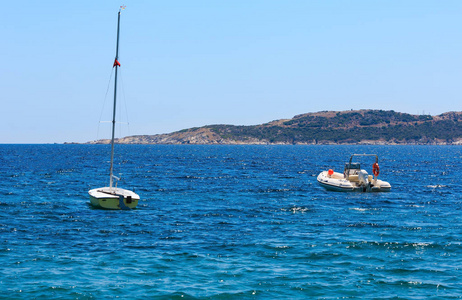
<point x="116" y="65"/>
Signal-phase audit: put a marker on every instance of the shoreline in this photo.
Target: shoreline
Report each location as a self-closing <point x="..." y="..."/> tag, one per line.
<point x="326" y="143"/>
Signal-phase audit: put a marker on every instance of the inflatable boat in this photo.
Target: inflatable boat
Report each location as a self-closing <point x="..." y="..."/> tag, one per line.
<point x="354" y="179"/>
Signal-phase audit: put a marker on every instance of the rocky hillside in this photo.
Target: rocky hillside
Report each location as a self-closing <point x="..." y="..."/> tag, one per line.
<point x="326" y="127"/>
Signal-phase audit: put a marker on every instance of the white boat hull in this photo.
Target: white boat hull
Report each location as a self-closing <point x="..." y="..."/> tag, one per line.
<point x="113" y="198"/>
<point x="337" y="182"/>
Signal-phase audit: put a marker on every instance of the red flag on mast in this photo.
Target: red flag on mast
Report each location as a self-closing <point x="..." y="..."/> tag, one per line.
<point x="116" y="63"/>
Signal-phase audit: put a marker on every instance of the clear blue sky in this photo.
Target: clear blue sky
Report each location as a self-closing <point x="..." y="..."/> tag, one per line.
<point x="191" y="63"/>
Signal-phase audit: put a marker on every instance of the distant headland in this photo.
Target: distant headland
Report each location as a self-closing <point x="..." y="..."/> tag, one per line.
<point x="366" y="127"/>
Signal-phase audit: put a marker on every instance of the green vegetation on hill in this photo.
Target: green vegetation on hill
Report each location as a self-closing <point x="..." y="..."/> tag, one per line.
<point x="345" y="127"/>
<point x="350" y="127"/>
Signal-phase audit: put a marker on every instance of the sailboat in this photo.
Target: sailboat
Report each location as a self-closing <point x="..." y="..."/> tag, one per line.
<point x="112" y="197"/>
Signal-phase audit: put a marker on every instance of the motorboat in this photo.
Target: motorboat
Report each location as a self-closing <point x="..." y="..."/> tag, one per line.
<point x="354" y="179"/>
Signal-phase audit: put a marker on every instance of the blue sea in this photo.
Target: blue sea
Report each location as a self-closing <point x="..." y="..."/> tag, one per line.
<point x="229" y="222"/>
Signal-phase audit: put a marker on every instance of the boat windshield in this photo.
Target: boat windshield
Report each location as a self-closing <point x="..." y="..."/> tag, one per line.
<point x="352" y="168"/>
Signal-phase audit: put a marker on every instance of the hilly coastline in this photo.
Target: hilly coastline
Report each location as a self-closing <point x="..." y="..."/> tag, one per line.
<point x="326" y="127"/>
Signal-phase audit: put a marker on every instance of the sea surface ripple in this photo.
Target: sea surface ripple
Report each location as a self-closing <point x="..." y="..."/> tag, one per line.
<point x="229" y="222"/>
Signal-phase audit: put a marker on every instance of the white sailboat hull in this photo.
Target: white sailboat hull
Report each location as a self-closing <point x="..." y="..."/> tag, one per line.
<point x="113" y="198"/>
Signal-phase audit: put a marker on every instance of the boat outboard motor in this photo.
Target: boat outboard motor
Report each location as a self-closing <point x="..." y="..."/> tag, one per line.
<point x="363" y="178"/>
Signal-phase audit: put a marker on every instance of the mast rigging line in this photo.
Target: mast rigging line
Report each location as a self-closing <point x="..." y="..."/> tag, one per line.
<point x="104" y="103"/>
<point x="124" y="100"/>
